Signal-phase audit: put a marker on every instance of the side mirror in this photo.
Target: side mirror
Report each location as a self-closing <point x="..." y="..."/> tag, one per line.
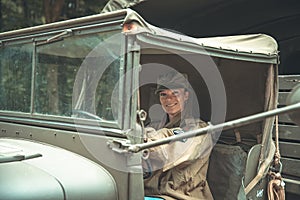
<point x="294" y="97"/>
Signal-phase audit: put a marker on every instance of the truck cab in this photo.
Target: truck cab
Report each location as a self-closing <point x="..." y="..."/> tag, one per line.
<point x="77" y="94"/>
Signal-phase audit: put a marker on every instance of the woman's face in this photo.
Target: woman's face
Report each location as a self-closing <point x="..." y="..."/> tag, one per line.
<point x="173" y="101"/>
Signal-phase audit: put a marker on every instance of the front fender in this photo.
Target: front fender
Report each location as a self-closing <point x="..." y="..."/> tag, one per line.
<point x="32" y="170"/>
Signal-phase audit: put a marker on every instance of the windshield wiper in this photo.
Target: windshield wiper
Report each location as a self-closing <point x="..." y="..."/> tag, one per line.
<point x="57" y="37"/>
<point x="60" y="35"/>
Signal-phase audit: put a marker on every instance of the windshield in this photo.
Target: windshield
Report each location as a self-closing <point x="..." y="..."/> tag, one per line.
<point x="77" y="76"/>
<point x="70" y="76"/>
<point x="15" y="73"/>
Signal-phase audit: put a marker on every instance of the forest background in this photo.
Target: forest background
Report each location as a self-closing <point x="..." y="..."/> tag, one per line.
<point x="16" y="14"/>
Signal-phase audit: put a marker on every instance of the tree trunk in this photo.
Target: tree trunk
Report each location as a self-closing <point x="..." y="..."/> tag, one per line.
<point x="53" y="9"/>
<point x="25" y="10"/>
<point x="1" y="18"/>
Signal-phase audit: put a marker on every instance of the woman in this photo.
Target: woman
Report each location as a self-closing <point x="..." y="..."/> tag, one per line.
<point x="177" y="170"/>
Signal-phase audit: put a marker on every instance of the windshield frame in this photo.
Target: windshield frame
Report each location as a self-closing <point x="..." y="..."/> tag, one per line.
<point x="55" y="32"/>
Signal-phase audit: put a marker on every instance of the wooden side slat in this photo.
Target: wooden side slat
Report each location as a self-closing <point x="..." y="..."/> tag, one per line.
<point x="292" y="188"/>
<point x="290" y="150"/>
<point x="288" y="82"/>
<point x="288" y="132"/>
<point x="282" y="98"/>
<point x="285" y="119"/>
<point x="290" y="167"/>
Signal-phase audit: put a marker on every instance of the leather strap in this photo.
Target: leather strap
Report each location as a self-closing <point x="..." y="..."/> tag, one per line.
<point x="262" y="170"/>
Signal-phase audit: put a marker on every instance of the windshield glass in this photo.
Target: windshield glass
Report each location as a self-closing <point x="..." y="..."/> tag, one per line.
<point x="15" y="73"/>
<point x="76" y="76"/>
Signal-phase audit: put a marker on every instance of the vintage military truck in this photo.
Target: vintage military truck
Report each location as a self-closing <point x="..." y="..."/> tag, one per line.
<point x="75" y="97"/>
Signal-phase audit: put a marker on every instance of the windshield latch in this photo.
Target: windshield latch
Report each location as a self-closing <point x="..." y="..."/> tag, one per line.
<point x="119" y="146"/>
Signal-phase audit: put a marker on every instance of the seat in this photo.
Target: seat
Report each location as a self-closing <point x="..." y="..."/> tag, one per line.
<point x="226" y="171"/>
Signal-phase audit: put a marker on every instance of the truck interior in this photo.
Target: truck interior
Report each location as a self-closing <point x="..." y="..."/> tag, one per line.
<point x="237" y="150"/>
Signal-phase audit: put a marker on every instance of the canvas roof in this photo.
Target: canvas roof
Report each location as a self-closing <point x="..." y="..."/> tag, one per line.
<point x="252" y="44"/>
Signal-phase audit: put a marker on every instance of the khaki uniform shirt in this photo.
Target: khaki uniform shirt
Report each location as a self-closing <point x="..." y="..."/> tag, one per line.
<point x="179" y="168"/>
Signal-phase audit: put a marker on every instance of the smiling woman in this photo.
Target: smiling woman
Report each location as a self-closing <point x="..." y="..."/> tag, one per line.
<point x="173" y="101"/>
<point x="185" y="160"/>
<point x="173" y="93"/>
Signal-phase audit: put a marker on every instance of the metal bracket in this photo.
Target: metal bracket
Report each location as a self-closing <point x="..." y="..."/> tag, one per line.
<point x="134" y="47"/>
<point x="293" y="80"/>
<point x="277" y="167"/>
<point x="119" y="146"/>
<point x="142" y="115"/>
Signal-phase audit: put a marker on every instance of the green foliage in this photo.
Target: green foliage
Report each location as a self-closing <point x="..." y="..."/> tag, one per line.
<point x="25" y="13"/>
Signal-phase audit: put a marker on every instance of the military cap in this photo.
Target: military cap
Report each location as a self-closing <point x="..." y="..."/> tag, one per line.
<point x="171" y="80"/>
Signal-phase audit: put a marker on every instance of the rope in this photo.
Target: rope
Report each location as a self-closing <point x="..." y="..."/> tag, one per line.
<point x="276" y="184"/>
<point x="277" y="153"/>
<point x="276" y="187"/>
